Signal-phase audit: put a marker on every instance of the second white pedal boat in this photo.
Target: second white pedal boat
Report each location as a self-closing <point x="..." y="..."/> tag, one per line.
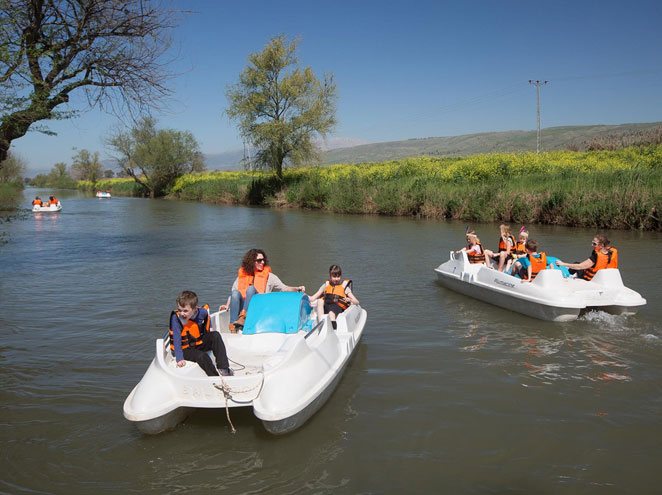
<point x="548" y="297"/>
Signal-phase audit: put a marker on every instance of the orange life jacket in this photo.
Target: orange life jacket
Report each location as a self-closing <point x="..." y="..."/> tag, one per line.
<point x="258" y="279"/>
<point x="54" y="201"/>
<point x="503" y="245"/>
<point x="193" y="330"/>
<point x="609" y="260"/>
<point x="334" y="293"/>
<point x="476" y="258"/>
<point x="37" y="202"/>
<point x="537" y="264"/>
<point x="520" y="248"/>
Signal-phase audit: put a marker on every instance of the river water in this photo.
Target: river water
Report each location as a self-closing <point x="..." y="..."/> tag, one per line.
<point x="444" y="395"/>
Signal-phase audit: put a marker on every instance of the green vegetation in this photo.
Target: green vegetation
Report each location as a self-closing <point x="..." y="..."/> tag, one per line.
<point x="117" y="187"/>
<point x="281" y="111"/>
<point x="603" y="189"/>
<point x="155" y="158"/>
<point x="58" y="178"/>
<point x="11" y="183"/>
<point x="11" y="194"/>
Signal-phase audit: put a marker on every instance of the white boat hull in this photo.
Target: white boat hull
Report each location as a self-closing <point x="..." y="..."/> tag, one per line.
<point x="285" y="378"/>
<point x="549" y="297"/>
<point x="103" y="195"/>
<point x="47" y="209"/>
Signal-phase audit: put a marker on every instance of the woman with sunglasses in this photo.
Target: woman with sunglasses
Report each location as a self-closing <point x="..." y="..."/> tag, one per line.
<point x="603" y="256"/>
<point x="253" y="277"/>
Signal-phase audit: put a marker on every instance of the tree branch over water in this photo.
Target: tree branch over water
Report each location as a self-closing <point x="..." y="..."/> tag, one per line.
<point x="110" y="50"/>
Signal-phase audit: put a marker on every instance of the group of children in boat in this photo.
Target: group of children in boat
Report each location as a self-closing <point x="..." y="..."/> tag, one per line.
<point x="521" y="258"/>
<point x="190" y="335"/>
<point x="52" y="201"/>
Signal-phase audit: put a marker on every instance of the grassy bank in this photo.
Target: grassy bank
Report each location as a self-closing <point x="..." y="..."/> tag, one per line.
<point x="11" y="194"/>
<point x="602" y="189"/>
<point x="119" y="187"/>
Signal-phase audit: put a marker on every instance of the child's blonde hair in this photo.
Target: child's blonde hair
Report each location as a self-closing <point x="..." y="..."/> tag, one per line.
<point x="505" y="229"/>
<point x="472" y="235"/>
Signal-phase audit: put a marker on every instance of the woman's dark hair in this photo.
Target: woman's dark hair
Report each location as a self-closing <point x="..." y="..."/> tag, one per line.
<point x="602" y="239"/>
<point x="248" y="263"/>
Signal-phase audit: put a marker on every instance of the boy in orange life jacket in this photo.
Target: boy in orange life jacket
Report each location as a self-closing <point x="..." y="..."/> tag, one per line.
<point x="191" y="338"/>
<point x="335" y="295"/>
<point x="37" y="201"/>
<point x="604" y="255"/>
<point x="254" y="276"/>
<point x="530" y="265"/>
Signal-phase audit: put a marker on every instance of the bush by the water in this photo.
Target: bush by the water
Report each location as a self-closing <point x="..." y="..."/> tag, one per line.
<point x="119" y="187"/>
<point x="604" y="189"/>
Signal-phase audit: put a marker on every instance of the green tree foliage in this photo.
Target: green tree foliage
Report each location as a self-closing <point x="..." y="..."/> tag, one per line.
<point x="86" y="166"/>
<point x="108" y="50"/>
<point x="281" y="108"/>
<point x="58" y="178"/>
<point x="13" y="170"/>
<point x="155" y="158"/>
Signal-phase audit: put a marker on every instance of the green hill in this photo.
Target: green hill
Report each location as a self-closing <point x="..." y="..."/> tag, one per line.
<point x="553" y="138"/>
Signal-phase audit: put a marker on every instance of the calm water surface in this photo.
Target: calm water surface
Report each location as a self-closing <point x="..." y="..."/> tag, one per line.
<point x="445" y="394"/>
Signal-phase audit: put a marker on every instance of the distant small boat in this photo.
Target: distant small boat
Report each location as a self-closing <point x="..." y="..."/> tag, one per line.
<point x="49" y="208"/>
<point x="103" y="194"/>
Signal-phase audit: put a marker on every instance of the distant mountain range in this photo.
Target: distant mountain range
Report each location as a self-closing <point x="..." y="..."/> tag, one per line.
<point x="553" y="138"/>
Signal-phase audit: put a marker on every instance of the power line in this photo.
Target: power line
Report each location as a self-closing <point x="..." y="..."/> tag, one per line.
<point x="537" y="84"/>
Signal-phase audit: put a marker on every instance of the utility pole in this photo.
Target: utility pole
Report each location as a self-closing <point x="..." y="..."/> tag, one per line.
<point x="537" y="84"/>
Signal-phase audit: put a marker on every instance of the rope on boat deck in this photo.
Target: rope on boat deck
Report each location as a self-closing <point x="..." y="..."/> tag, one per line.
<point x="227" y="393"/>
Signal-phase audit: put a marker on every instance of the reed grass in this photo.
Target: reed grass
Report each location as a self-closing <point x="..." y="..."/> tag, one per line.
<point x="619" y="189"/>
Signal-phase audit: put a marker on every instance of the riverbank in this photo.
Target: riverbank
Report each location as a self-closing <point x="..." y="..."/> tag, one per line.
<point x="599" y="189"/>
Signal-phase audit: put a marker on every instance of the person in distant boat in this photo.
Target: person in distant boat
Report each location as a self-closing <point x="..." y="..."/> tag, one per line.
<point x="37" y="201"/>
<point x="53" y="201"/>
<point x="253" y="277"/>
<point x="334" y="296"/>
<point x="506" y="247"/>
<point x="533" y="263"/>
<point x="474" y="248"/>
<point x="191" y="337"/>
<point x="604" y="255"/>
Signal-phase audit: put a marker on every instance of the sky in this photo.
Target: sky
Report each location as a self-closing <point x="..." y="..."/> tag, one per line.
<point x="405" y="68"/>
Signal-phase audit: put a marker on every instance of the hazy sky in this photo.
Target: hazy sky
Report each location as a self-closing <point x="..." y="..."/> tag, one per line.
<point x="409" y="69"/>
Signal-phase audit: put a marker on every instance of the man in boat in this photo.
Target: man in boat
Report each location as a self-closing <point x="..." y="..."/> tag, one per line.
<point x="53" y="201"/>
<point x="603" y="255"/>
<point x="191" y="338"/>
<point x="253" y="277"/>
<point x="37" y="201"/>
<point x="335" y="295"/>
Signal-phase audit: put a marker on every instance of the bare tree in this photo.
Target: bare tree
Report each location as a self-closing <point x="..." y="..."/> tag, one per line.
<point x="110" y="51"/>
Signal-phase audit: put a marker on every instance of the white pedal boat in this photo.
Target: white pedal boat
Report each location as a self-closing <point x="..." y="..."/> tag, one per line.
<point x="548" y="297"/>
<point x="103" y="194"/>
<point x="284" y="377"/>
<point x="51" y="208"/>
